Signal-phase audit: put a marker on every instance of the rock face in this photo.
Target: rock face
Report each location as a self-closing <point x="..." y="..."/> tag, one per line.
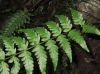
<point x="90" y="10"/>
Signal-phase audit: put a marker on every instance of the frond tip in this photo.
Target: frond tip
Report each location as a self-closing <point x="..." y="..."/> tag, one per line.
<point x="90" y="29"/>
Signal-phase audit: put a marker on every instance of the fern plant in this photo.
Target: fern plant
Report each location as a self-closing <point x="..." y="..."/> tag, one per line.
<point x="15" y="21"/>
<point x="40" y="40"/>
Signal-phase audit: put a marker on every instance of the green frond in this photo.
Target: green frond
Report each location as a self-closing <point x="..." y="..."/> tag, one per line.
<point x="87" y="28"/>
<point x="21" y="42"/>
<point x="41" y="56"/>
<point x="76" y="36"/>
<point x="4" y="69"/>
<point x="64" y="43"/>
<point x="90" y="29"/>
<point x="11" y="52"/>
<point x="2" y="55"/>
<point x="32" y="36"/>
<point x="77" y="17"/>
<point x="53" y="51"/>
<point x="65" y="23"/>
<point x="13" y="23"/>
<point x="54" y="27"/>
<point x="27" y="61"/>
<point x="9" y="45"/>
<point x="44" y="34"/>
<point x="16" y="66"/>
<point x="18" y="49"/>
<point x="25" y="54"/>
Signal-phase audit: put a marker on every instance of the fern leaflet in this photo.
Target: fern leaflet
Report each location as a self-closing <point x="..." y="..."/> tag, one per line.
<point x="4" y="69"/>
<point x="27" y="61"/>
<point x="77" y="17"/>
<point x="32" y="36"/>
<point x="90" y="29"/>
<point x="53" y="51"/>
<point x="25" y="54"/>
<point x="65" y="23"/>
<point x="11" y="52"/>
<point x="65" y="45"/>
<point x="76" y="36"/>
<point x="41" y="56"/>
<point x="56" y="30"/>
<point x="16" y="67"/>
<point x="44" y="34"/>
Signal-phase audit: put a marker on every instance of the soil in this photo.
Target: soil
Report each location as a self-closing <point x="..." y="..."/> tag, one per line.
<point x="87" y="63"/>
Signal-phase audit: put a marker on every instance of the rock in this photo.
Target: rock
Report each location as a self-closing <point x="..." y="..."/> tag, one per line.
<point x="90" y="10"/>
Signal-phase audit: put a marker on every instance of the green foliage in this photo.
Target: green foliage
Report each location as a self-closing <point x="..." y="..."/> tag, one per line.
<point x="90" y="29"/>
<point x="25" y="54"/>
<point x="53" y="51"/>
<point x="54" y="27"/>
<point x="44" y="34"/>
<point x="86" y="27"/>
<point x="41" y="56"/>
<point x="76" y="36"/>
<point x="16" y="20"/>
<point x="4" y="69"/>
<point x="77" y="17"/>
<point x="40" y="40"/>
<point x="64" y="43"/>
<point x="65" y="23"/>
<point x="11" y="53"/>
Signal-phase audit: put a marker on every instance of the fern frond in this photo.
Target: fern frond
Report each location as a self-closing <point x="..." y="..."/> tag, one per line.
<point x="44" y="34"/>
<point x="16" y="66"/>
<point x="22" y="43"/>
<point x="25" y="54"/>
<point x="90" y="29"/>
<point x="53" y="51"/>
<point x="2" y="55"/>
<point x="77" y="17"/>
<point x="76" y="36"/>
<point x="11" y="52"/>
<point x="65" y="45"/>
<point x="54" y="27"/>
<point x="9" y="44"/>
<point x="37" y="40"/>
<point x="13" y="23"/>
<point x="65" y="23"/>
<point x="4" y="69"/>
<point x="41" y="56"/>
<point x="32" y="36"/>
<point x="27" y="61"/>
